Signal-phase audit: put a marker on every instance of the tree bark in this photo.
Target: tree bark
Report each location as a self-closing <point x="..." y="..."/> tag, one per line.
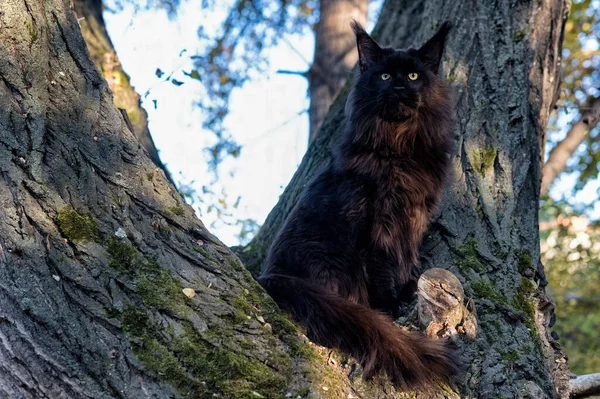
<point x="110" y="287"/>
<point x="585" y="386"/>
<point x="557" y="160"/>
<point x="335" y="55"/>
<point x="503" y="61"/>
<point x="105" y="57"/>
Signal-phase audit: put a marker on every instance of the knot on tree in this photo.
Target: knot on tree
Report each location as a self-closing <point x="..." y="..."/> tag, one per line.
<point x="442" y="312"/>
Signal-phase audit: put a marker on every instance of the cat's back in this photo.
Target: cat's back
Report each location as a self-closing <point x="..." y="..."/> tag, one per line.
<point x="319" y="223"/>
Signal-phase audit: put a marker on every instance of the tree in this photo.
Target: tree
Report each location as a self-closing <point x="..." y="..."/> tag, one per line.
<point x="505" y="69"/>
<point x="110" y="287"/>
<point x="334" y="55"/>
<point x="103" y="54"/>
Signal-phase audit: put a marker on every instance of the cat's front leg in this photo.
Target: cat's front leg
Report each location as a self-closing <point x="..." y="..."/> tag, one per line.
<point x="383" y="286"/>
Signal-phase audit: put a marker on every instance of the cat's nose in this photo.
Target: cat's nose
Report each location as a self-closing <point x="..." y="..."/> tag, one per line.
<point x="399" y="88"/>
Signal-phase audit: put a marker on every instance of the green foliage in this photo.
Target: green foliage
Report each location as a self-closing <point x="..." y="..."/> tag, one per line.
<point x="219" y="203"/>
<point x="571" y="256"/>
<point x="76" y="226"/>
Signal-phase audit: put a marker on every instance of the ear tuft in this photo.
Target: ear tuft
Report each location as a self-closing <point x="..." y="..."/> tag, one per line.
<point x="368" y="49"/>
<point x="431" y="52"/>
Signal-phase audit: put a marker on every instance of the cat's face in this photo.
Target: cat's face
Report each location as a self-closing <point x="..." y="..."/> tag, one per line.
<point x="393" y="84"/>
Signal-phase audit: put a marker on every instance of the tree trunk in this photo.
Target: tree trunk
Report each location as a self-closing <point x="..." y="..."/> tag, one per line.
<point x="335" y="55"/>
<point x="557" y="160"/>
<point x="110" y="287"/>
<point x="503" y="60"/>
<point x="103" y="54"/>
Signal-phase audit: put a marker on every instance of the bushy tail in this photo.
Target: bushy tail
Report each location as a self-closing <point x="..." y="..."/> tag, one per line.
<point x="409" y="359"/>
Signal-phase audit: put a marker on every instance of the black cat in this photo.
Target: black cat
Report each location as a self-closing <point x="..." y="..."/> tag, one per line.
<point x="351" y="240"/>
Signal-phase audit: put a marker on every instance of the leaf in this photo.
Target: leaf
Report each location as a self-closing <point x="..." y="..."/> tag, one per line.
<point x="194" y="74"/>
<point x="177" y="82"/>
<point x="159" y="73"/>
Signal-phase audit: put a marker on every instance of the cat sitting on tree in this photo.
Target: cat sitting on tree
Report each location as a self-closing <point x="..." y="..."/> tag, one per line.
<point x="345" y="253"/>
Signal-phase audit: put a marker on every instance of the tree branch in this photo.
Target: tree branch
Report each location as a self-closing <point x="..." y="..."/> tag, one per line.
<point x="585" y="386"/>
<point x="557" y="160"/>
<point x="286" y="72"/>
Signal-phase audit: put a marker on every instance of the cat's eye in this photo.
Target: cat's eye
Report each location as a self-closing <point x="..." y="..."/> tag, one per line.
<point x="385" y="76"/>
<point x="413" y="76"/>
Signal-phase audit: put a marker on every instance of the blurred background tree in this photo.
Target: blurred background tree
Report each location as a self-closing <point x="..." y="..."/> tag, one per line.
<point x="236" y="52"/>
<point x="570" y="211"/>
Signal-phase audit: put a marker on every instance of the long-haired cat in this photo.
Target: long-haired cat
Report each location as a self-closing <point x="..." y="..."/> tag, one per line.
<point x="347" y="248"/>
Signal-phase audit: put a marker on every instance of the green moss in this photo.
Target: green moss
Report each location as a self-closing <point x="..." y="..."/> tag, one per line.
<point x="157" y="358"/>
<point x="484" y="160"/>
<point x="150" y="176"/>
<point x="160" y="291"/>
<point x="479" y="208"/>
<point x="303" y="392"/>
<point x="134" y="321"/>
<point x="247" y="344"/>
<point x="466" y="257"/>
<point x="525" y="261"/>
<point x="451" y="78"/>
<point x="112" y="313"/>
<point x="499" y="254"/>
<point x="486" y="290"/>
<point x="205" y="254"/>
<point x="177" y="210"/>
<point x="198" y="368"/>
<point x="124" y="257"/>
<point x="32" y="32"/>
<point x="249" y="302"/>
<point x="511" y="356"/>
<point x="118" y="199"/>
<point x="520" y="35"/>
<point x="76" y="226"/>
<point x="211" y="364"/>
<point x="523" y="301"/>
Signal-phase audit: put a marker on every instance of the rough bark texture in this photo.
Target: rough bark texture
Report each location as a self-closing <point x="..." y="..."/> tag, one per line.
<point x="110" y="287"/>
<point x="102" y="51"/>
<point x="503" y="60"/>
<point x="557" y="160"/>
<point x="585" y="386"/>
<point x="335" y="55"/>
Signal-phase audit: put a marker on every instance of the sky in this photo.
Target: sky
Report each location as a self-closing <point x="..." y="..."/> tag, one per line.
<point x="267" y="116"/>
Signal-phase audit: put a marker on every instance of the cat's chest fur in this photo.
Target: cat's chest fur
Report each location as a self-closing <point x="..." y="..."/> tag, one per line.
<point x="406" y="193"/>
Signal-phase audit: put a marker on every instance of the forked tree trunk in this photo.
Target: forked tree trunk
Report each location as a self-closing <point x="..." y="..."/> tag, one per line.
<point x="102" y="51"/>
<point x="335" y="55"/>
<point x="503" y="61"/>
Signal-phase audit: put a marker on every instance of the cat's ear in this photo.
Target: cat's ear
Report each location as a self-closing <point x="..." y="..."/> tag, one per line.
<point x="431" y="52"/>
<point x="368" y="49"/>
